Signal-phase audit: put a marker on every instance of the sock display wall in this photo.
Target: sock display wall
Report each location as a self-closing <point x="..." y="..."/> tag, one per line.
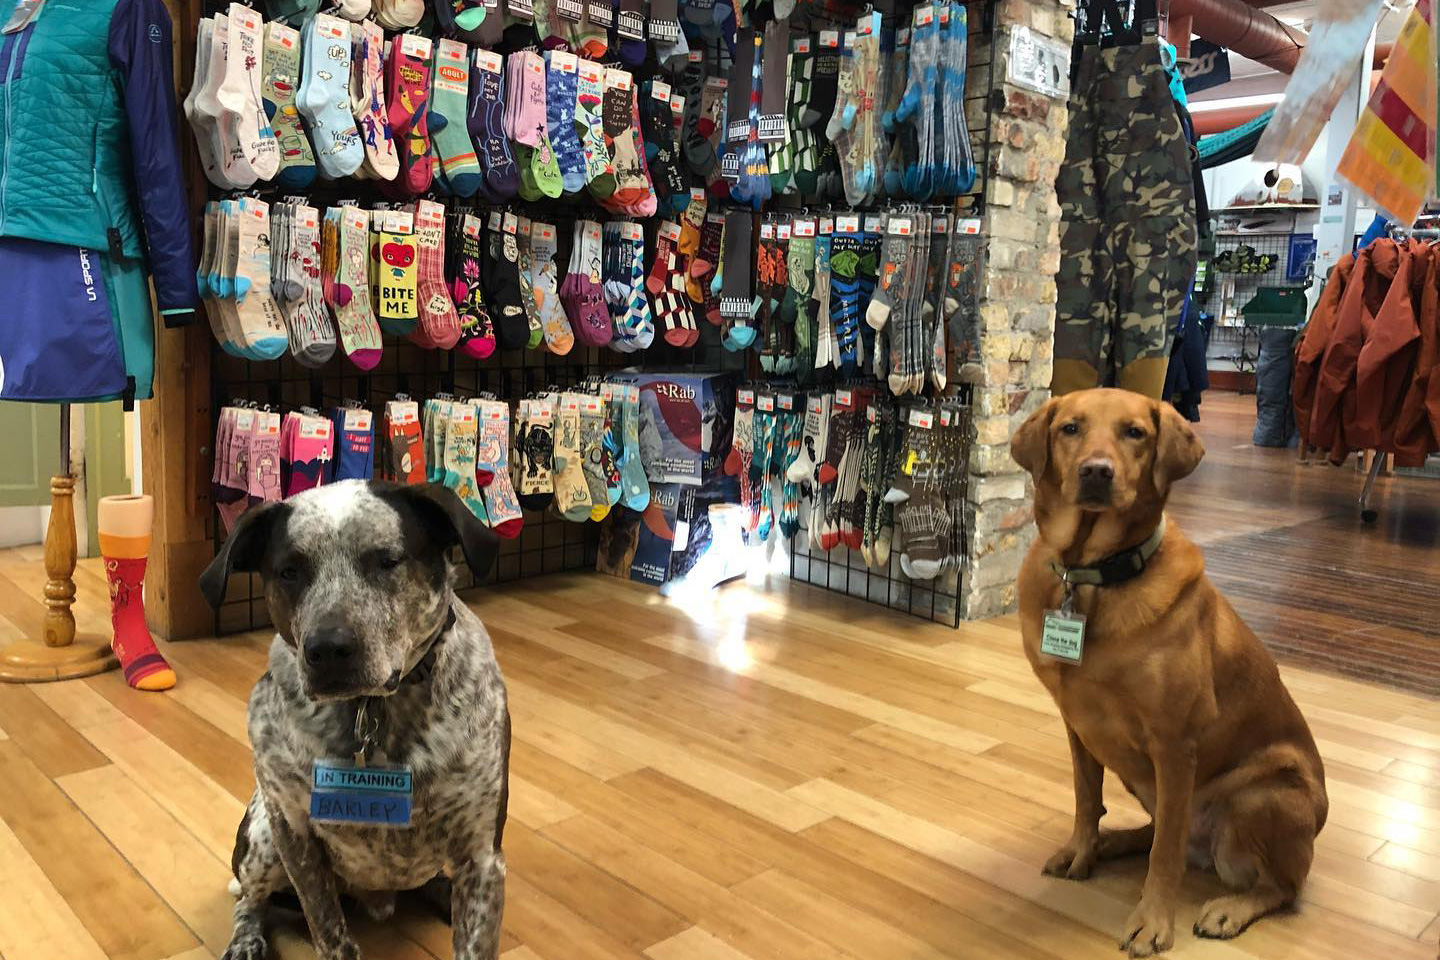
<point x="473" y="209"/>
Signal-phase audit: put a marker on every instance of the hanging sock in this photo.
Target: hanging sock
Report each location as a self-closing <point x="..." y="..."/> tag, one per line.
<point x="463" y="273"/>
<point x="438" y="319"/>
<point x="486" y="126"/>
<point x="572" y="489"/>
<point x="555" y="327"/>
<point x="562" y="88"/>
<point x="534" y="452"/>
<point x="446" y="121"/>
<point x="282" y="78"/>
<point x="243" y="122"/>
<point x="368" y="103"/>
<point x="500" y="275"/>
<point x="492" y="458"/>
<point x="407" y="84"/>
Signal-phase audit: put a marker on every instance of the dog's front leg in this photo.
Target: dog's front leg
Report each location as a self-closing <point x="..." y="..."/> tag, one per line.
<point x="1075" y="860"/>
<point x="477" y="906"/>
<point x="1151" y="927"/>
<point x="314" y="880"/>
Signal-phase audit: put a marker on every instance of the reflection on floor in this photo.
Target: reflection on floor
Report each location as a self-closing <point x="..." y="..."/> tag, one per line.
<point x="771" y="774"/>
<point x="1285" y="542"/>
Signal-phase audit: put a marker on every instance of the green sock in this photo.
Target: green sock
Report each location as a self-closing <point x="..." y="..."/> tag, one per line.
<point x="449" y="87"/>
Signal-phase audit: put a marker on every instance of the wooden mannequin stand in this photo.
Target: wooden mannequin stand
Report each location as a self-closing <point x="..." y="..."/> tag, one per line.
<point x="62" y="655"/>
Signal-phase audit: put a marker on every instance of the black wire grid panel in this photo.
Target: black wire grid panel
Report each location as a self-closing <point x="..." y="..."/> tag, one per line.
<point x="547" y="544"/>
<point x="844" y="571"/>
<point x="1245" y="261"/>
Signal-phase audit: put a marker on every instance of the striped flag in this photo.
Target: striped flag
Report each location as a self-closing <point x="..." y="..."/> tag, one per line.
<point x="1391" y="154"/>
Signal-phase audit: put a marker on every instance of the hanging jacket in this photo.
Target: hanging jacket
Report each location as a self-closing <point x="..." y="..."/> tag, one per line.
<point x="1383" y="369"/>
<point x="1365" y="294"/>
<point x="88" y="148"/>
<point x="1314" y="340"/>
<point x="1417" y="425"/>
<point x="1312" y="347"/>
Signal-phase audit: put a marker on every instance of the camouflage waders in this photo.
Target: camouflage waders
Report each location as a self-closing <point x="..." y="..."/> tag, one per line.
<point x="1127" y="236"/>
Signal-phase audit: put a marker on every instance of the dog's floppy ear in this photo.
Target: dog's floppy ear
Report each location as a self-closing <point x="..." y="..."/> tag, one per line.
<point x="242" y="550"/>
<point x="1031" y="444"/>
<point x="449" y="522"/>
<point x="1177" y="450"/>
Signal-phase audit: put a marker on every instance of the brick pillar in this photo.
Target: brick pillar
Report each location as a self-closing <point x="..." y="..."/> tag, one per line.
<point x="1017" y="308"/>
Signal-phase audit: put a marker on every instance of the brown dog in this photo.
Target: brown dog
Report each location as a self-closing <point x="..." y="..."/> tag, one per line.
<point x="1171" y="690"/>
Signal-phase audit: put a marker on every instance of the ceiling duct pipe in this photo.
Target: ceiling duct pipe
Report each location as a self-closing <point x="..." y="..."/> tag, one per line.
<point x="1242" y="29"/>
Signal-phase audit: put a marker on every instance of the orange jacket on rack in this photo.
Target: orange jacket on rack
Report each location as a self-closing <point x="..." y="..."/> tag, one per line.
<point x="1312" y="345"/>
<point x="1383" y="369"/>
<point x="1365" y="294"/>
<point x="1417" y="424"/>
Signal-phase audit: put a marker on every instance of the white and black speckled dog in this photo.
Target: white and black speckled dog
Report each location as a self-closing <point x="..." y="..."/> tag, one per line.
<point x="358" y="583"/>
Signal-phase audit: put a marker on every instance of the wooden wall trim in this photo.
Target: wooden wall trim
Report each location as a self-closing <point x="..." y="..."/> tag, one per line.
<point x="175" y="427"/>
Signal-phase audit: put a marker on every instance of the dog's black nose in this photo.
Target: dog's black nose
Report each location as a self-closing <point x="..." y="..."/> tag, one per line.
<point x="330" y="647"/>
<point x="1097" y="469"/>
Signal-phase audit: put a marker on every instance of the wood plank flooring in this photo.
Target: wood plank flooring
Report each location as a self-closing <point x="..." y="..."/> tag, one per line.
<point x="1285" y="543"/>
<point x="768" y="773"/>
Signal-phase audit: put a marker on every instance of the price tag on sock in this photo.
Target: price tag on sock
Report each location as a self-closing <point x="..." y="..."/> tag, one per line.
<point x="765" y="403"/>
<point x="607" y="392"/>
<point x="970" y="227"/>
<point x="488" y="61"/>
<point x="940" y="224"/>
<point x="472" y="226"/>
<point x="830" y="39"/>
<point x="428" y="213"/>
<point x="315" y="428"/>
<point x="923" y="419"/>
<point x="847" y="223"/>
<point x="924" y="15"/>
<point x="815" y="405"/>
<point x="785" y="401"/>
<point x="767" y="231"/>
<point x="358" y="421"/>
<point x="602" y="13"/>
<point x="801" y="45"/>
<point x="659" y="90"/>
<point x="826" y="226"/>
<point x="900" y="227"/>
<point x="782" y="231"/>
<point x="745" y="398"/>
<point x="590" y="71"/>
<point x="355" y="218"/>
<point x="414" y="45"/>
<point x="902" y="37"/>
<point x="244" y="420"/>
<point x="590" y="403"/>
<point x="669" y="230"/>
<point x="944" y="417"/>
<point x="677" y="106"/>
<point x="870" y="414"/>
<point x="632" y="231"/>
<point x="844" y="399"/>
<point x="872" y="223"/>
<point x="617" y="80"/>
<point x="804" y="227"/>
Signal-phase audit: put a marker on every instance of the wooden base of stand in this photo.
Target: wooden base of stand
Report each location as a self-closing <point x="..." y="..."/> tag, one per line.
<point x="26" y="661"/>
<point x="62" y="656"/>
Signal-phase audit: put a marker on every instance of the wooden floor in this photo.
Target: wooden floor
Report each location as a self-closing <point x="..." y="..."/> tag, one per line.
<point x="1286" y="544"/>
<point x="771" y="773"/>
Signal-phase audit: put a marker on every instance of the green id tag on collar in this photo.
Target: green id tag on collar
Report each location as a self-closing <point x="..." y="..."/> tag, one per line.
<point x="1063" y="637"/>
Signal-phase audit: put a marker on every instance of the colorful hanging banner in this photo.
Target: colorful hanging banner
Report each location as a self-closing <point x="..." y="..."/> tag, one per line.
<point x="1391" y="154"/>
<point x="1332" y="56"/>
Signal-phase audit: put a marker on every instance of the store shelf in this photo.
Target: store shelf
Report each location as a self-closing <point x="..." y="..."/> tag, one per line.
<point x="1267" y="208"/>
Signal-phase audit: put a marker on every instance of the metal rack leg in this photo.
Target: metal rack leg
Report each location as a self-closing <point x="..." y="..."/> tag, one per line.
<point x="1368" y="514"/>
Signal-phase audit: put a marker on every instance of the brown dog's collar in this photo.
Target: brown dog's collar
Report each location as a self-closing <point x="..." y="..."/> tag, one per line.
<point x="1116" y="568"/>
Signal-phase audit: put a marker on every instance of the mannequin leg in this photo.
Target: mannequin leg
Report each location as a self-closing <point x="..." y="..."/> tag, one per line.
<point x="124" y="526"/>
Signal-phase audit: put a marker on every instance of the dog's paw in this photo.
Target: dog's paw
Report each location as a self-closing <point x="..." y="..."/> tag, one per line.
<point x="1074" y="861"/>
<point x="1224" y="917"/>
<point x="347" y="950"/>
<point x="379" y="905"/>
<point x="246" y="948"/>
<point x="1150" y="929"/>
